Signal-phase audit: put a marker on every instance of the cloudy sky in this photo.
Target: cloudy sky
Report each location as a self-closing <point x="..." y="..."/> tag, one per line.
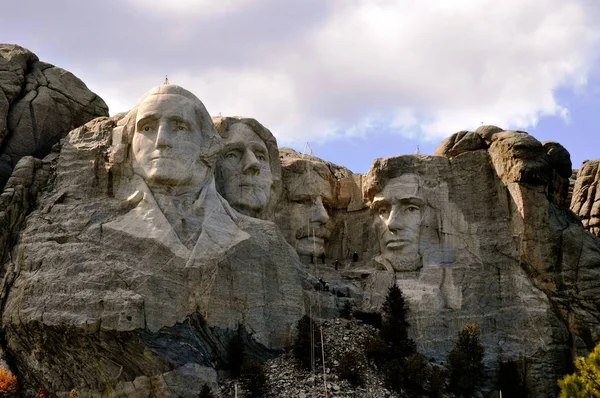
<point x="357" y="79"/>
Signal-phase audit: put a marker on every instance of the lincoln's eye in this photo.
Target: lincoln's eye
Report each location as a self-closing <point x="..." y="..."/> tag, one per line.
<point x="181" y="127"/>
<point x="382" y="211"/>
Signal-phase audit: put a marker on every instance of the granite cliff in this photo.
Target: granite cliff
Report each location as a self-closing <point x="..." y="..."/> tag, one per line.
<point x="135" y="250"/>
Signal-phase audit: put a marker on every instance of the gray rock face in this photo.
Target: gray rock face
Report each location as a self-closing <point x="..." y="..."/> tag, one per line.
<point x="586" y="195"/>
<point x="125" y="270"/>
<point x="39" y="104"/>
<point x="103" y="272"/>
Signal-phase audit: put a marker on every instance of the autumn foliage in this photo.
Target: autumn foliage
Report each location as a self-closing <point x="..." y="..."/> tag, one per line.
<point x="8" y="383"/>
<point x="42" y="393"/>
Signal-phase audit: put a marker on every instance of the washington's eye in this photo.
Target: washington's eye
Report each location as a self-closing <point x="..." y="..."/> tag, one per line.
<point x="146" y="128"/>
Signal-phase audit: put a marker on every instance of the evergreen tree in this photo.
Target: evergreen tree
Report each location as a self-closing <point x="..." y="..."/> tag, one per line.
<point x="465" y="362"/>
<point x="305" y="348"/>
<point x="254" y="379"/>
<point x="206" y="392"/>
<point x="235" y="353"/>
<point x="394" y="329"/>
<point x="585" y="382"/>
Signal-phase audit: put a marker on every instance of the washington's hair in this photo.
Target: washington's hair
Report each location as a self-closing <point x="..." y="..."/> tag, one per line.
<point x="211" y="141"/>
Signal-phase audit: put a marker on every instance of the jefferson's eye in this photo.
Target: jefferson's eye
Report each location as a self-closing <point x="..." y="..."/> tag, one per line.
<point x="262" y="158"/>
<point x="412" y="209"/>
<point x="232" y="155"/>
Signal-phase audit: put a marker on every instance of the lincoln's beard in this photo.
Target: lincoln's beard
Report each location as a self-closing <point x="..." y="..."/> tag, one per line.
<point x="404" y="260"/>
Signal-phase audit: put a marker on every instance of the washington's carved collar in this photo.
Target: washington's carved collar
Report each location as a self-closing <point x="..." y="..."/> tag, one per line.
<point x="217" y="234"/>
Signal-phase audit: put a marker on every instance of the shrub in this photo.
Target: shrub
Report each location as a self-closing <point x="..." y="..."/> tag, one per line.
<point x="369" y="318"/>
<point x="8" y="383"/>
<point x="73" y="394"/>
<point x="416" y="375"/>
<point x="254" y="379"/>
<point x="585" y="382"/>
<point x="465" y="362"/>
<point x="351" y="368"/>
<point x="42" y="393"/>
<point x="376" y="350"/>
<point x="346" y="311"/>
<point x="306" y="348"/>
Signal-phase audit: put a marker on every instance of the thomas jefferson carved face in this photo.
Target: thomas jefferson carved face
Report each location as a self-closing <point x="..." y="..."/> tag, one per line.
<point x="166" y="145"/>
<point x="305" y="220"/>
<point x="245" y="173"/>
<point x="398" y="216"/>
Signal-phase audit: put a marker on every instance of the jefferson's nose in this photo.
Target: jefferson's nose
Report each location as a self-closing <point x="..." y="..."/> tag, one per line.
<point x="250" y="165"/>
<point x="163" y="136"/>
<point x="319" y="213"/>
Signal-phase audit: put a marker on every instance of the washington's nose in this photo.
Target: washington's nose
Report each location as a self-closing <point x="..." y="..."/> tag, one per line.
<point x="319" y="213"/>
<point x="163" y="136"/>
<point x="395" y="222"/>
<point x="251" y="165"/>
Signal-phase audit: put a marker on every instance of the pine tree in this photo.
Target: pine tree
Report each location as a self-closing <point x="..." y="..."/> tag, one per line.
<point x="585" y="382"/>
<point x="206" y="392"/>
<point x="254" y="379"/>
<point x="305" y="347"/>
<point x="394" y="329"/>
<point x="235" y="353"/>
<point x="465" y="362"/>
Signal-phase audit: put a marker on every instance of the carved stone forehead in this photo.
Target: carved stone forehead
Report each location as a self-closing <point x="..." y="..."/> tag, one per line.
<point x="406" y="186"/>
<point x="307" y="178"/>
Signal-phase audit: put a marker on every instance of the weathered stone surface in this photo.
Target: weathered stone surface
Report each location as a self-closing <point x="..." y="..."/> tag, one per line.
<point x="586" y="195"/>
<point x="39" y="104"/>
<point x="102" y="272"/>
<point x="248" y="173"/>
<point x="463" y="141"/>
<point x="125" y="270"/>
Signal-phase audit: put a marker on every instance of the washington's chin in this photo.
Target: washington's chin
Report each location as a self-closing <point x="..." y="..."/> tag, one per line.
<point x="310" y="245"/>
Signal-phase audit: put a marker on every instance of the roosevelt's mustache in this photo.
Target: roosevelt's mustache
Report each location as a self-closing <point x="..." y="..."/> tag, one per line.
<point x="319" y="231"/>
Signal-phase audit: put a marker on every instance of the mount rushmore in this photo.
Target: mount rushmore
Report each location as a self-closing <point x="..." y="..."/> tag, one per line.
<point x="135" y="246"/>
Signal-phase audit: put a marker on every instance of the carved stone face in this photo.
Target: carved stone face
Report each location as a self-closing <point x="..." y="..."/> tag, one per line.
<point x="398" y="216"/>
<point x="245" y="173"/>
<point x="166" y="144"/>
<point x="305" y="220"/>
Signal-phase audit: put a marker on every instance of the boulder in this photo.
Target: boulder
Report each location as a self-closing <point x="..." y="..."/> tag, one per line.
<point x="39" y="104"/>
<point x="585" y="201"/>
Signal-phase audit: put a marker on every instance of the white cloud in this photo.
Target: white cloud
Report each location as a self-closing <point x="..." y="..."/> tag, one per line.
<point x="423" y="67"/>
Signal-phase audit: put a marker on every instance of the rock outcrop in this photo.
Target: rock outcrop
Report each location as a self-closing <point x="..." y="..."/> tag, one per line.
<point x="39" y="104"/>
<point x="586" y="195"/>
<point x="125" y="272"/>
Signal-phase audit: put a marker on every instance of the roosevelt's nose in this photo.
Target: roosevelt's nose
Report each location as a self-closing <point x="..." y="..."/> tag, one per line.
<point x="250" y="165"/>
<point x="318" y="212"/>
<point x="163" y="136"/>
